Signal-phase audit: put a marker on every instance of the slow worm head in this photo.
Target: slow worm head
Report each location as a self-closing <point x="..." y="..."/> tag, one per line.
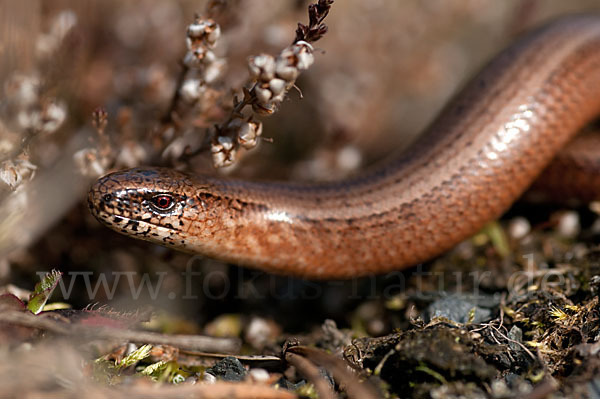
<point x="478" y="156"/>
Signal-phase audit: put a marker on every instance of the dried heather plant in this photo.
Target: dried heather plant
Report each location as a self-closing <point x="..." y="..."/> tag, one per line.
<point x="28" y="109"/>
<point x="93" y="161"/>
<point x="270" y="80"/>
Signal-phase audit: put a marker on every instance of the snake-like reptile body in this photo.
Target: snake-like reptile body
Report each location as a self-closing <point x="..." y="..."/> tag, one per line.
<point x="474" y="161"/>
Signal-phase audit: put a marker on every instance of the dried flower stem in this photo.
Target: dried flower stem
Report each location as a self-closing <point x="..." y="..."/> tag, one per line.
<point x="316" y="28"/>
<point x="271" y="79"/>
<point x="200" y="67"/>
<point x="93" y="161"/>
<point x="28" y="107"/>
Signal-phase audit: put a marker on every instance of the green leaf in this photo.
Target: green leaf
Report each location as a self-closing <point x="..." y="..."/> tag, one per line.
<point x="498" y="238"/>
<point x="42" y="291"/>
<point x="155" y="369"/>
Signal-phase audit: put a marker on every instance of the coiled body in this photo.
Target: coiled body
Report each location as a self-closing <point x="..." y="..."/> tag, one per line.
<point x="478" y="156"/>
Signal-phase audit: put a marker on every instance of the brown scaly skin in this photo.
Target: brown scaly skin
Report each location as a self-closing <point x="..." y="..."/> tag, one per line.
<point x="481" y="153"/>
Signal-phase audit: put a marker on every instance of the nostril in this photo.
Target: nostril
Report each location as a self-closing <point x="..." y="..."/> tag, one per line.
<point x="107" y="197"/>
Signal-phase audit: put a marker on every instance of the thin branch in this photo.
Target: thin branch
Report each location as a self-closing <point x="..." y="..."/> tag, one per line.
<point x="167" y="119"/>
<point x="190" y="342"/>
<point x="312" y="374"/>
<point x="339" y="369"/>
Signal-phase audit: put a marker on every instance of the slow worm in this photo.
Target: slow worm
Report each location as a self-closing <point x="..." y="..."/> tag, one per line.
<point x="478" y="156"/>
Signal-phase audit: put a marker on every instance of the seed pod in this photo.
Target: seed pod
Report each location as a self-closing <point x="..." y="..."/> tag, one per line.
<point x="277" y="86"/>
<point x="191" y="90"/>
<point x="14" y="173"/>
<point x="262" y="67"/>
<point x="213" y="32"/>
<point x="223" y="152"/>
<point x="249" y="133"/>
<point x="214" y="70"/>
<point x="285" y="71"/>
<point x="53" y="116"/>
<point x="196" y="29"/>
<point x="304" y="55"/>
<point x="263" y="94"/>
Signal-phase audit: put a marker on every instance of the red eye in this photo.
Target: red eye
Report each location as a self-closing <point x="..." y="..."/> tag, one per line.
<point x="163" y="201"/>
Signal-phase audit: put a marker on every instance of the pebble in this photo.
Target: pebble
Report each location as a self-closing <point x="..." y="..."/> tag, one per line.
<point x="228" y="369"/>
<point x="457" y="307"/>
<point x="568" y="224"/>
<point x="518" y="228"/>
<point x="260" y="332"/>
<point x="259" y="375"/>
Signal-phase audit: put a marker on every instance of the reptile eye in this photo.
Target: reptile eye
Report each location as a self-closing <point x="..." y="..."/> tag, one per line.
<point x="163" y="202"/>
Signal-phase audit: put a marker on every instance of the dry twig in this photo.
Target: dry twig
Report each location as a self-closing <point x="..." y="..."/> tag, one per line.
<point x="191" y="342"/>
<point x="340" y="371"/>
<point x="311" y="372"/>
